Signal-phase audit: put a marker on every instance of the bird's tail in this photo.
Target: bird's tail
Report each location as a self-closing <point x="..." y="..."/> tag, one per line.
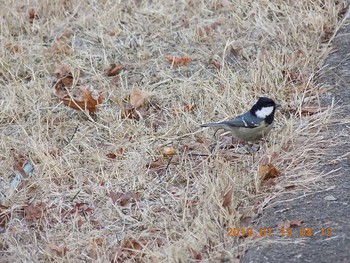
<point x="212" y="124"/>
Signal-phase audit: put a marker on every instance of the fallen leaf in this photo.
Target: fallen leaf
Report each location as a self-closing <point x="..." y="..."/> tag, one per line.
<point x="128" y="112"/>
<point x="94" y="247"/>
<point x="34" y="211"/>
<point x="111" y="156"/>
<point x="232" y="53"/>
<point x="169" y="151"/>
<point x="290" y="224"/>
<point x="215" y="63"/>
<point x="156" y="165"/>
<point x="80" y="98"/>
<point x="310" y="110"/>
<point x="189" y="108"/>
<point x="127" y="251"/>
<point x="267" y="171"/>
<point x="304" y="110"/>
<point x="138" y="97"/>
<point x="195" y="255"/>
<point x="126" y="198"/>
<point x="13" y="48"/>
<point x="32" y="15"/>
<point x="20" y="162"/>
<point x="60" y="46"/>
<point x="227" y="202"/>
<point x="60" y="250"/>
<point x="178" y="61"/>
<point x="65" y="75"/>
<point x="5" y="215"/>
<point x="114" y="70"/>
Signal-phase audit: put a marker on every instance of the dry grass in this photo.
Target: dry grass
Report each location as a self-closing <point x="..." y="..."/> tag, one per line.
<point x="64" y="212"/>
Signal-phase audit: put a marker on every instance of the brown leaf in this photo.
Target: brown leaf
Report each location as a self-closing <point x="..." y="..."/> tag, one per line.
<point x="65" y="75"/>
<point x="310" y="110"/>
<point x="32" y="15"/>
<point x="305" y="110"/>
<point x="60" y="47"/>
<point x="189" y="108"/>
<point x="267" y="171"/>
<point x="111" y="156"/>
<point x="80" y="99"/>
<point x="128" y="250"/>
<point x="60" y="250"/>
<point x="5" y="215"/>
<point x="156" y="165"/>
<point x="34" y="211"/>
<point x="114" y="70"/>
<point x="227" y="197"/>
<point x="125" y="198"/>
<point x="290" y="224"/>
<point x="232" y="54"/>
<point x="169" y="151"/>
<point x="195" y="255"/>
<point x="178" y="61"/>
<point x="20" y="162"/>
<point x="14" y="48"/>
<point x="115" y="196"/>
<point x="128" y="112"/>
<point x="215" y="63"/>
<point x="138" y="97"/>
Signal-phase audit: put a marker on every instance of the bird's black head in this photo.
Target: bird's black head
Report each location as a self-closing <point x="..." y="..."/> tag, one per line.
<point x="264" y="108"/>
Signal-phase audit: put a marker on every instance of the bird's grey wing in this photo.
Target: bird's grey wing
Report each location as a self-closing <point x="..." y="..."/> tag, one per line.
<point x="239" y="121"/>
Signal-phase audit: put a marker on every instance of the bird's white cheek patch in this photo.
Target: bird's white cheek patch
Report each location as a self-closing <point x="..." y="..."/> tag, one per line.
<point x="264" y="112"/>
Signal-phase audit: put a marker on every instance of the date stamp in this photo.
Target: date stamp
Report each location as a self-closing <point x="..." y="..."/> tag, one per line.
<point x="282" y="232"/>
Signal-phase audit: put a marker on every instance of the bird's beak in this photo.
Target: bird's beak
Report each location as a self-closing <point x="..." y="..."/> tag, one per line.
<point x="278" y="106"/>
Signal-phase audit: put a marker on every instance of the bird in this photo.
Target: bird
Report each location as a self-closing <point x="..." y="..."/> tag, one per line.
<point x="252" y="125"/>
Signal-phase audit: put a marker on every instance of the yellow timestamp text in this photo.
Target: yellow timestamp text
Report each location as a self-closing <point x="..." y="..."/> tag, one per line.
<point x="283" y="232"/>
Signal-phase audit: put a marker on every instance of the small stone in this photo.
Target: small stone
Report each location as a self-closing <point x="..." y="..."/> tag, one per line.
<point x="330" y="198"/>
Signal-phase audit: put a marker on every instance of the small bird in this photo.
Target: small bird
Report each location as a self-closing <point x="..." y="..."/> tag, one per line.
<point x="252" y="125"/>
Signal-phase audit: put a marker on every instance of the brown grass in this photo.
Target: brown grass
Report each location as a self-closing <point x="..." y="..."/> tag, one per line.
<point x="78" y="205"/>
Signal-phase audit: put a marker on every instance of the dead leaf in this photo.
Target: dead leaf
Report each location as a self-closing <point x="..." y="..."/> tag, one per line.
<point x="60" y="46"/>
<point x="114" y="70"/>
<point x="290" y="224"/>
<point x="20" y="163"/>
<point x="215" y="63"/>
<point x="128" y="112"/>
<point x="65" y="75"/>
<point x="111" y="156"/>
<point x="14" y="48"/>
<point x="227" y="202"/>
<point x="304" y="110"/>
<point x="156" y="165"/>
<point x="169" y="151"/>
<point x="32" y="15"/>
<point x="127" y="251"/>
<point x="189" y="108"/>
<point x="60" y="250"/>
<point x="232" y="54"/>
<point x="195" y="255"/>
<point x="81" y="98"/>
<point x="178" y="61"/>
<point x="34" y="211"/>
<point x="138" y="97"/>
<point x="267" y="171"/>
<point x="94" y="247"/>
<point x="126" y="198"/>
<point x="5" y="215"/>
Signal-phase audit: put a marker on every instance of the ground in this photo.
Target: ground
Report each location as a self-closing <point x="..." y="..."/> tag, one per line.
<point x="326" y="211"/>
<point x="102" y="157"/>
